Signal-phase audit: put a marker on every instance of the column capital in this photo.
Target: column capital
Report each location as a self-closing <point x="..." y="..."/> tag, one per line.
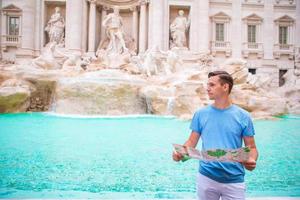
<point x="133" y="8"/>
<point x="143" y="2"/>
<point x="104" y="7"/>
<point x="92" y="1"/>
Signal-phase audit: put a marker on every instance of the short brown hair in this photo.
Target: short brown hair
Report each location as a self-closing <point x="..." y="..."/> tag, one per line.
<point x="224" y="77"/>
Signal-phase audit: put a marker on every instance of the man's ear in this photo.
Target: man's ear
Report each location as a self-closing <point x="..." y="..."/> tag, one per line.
<point x="226" y="86"/>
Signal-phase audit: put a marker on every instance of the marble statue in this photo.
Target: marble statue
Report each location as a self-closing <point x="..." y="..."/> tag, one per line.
<point x="259" y="82"/>
<point x="47" y="60"/>
<point x="150" y="66"/>
<point x="291" y="77"/>
<point x="72" y="62"/>
<point x="114" y="29"/>
<point x="178" y="29"/>
<point x="172" y="62"/>
<point x="297" y="65"/>
<point x="157" y="62"/>
<point x="56" y="28"/>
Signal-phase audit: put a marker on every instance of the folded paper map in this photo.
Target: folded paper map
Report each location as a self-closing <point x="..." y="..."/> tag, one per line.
<point x="223" y="155"/>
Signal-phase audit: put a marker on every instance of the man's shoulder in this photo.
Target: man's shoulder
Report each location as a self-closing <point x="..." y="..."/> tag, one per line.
<point x="241" y="111"/>
<point x="110" y="15"/>
<point x="203" y="110"/>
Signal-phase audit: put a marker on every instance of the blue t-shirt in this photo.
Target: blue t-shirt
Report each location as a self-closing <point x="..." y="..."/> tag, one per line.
<point x="222" y="129"/>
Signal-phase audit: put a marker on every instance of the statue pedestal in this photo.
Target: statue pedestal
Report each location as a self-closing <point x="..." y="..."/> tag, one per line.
<point x="115" y="60"/>
<point x="188" y="55"/>
<point x="179" y="49"/>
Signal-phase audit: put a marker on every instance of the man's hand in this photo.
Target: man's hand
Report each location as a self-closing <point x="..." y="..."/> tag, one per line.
<point x="250" y="164"/>
<point x="191" y="142"/>
<point x="177" y="156"/>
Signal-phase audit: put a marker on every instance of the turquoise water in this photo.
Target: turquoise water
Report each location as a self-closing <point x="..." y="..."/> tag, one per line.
<point x="46" y="156"/>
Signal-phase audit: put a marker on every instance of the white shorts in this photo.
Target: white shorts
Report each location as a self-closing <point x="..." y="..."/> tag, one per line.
<point x="208" y="189"/>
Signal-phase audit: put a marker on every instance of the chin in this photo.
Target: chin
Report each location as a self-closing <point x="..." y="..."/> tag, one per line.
<point x="211" y="98"/>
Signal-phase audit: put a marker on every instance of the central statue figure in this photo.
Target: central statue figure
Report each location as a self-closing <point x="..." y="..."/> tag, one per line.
<point x="178" y="29"/>
<point x="56" y="28"/>
<point x="114" y="29"/>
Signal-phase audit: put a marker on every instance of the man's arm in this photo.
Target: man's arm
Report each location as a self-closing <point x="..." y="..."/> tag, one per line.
<point x="250" y="164"/>
<point x="105" y="20"/>
<point x="191" y="142"/>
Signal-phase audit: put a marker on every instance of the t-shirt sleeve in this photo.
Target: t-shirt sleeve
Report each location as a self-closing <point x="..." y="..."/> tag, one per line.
<point x="248" y="128"/>
<point x="195" y="123"/>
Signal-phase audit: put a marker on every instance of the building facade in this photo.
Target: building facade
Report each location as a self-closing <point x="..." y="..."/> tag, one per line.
<point x="266" y="33"/>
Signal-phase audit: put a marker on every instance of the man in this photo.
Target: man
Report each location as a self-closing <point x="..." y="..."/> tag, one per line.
<point x="113" y="24"/>
<point x="221" y="125"/>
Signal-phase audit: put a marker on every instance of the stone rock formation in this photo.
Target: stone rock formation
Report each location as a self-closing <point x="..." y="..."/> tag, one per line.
<point x="158" y="82"/>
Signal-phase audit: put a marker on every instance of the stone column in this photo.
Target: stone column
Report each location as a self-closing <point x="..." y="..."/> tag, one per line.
<point x="103" y="14"/>
<point x="297" y="33"/>
<point x="292" y="30"/>
<point x="237" y="27"/>
<point x="213" y="31"/>
<point x="143" y="26"/>
<point x="28" y="25"/>
<point x="43" y="24"/>
<point x="135" y="25"/>
<point x="258" y="33"/>
<point x="199" y="29"/>
<point x="3" y="27"/>
<point x="74" y="25"/>
<point x="165" y="7"/>
<point x="84" y="37"/>
<point x="0" y="30"/>
<point x="276" y="33"/>
<point x="227" y="31"/>
<point x="37" y="32"/>
<point x="245" y="31"/>
<point x="92" y="28"/>
<point x="204" y="24"/>
<point x="289" y="37"/>
<point x="268" y="42"/>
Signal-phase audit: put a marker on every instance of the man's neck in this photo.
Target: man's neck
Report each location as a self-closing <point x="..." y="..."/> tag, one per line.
<point x="222" y="103"/>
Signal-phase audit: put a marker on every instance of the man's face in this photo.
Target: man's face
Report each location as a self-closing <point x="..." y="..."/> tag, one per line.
<point x="215" y="89"/>
<point x="116" y="11"/>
